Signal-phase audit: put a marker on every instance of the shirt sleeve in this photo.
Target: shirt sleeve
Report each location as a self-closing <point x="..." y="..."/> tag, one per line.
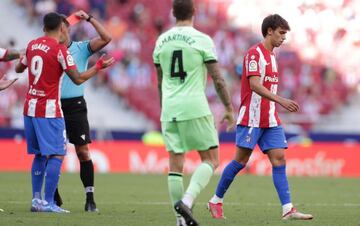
<point x="65" y="59"/>
<point x="156" y="54"/>
<point x="252" y="65"/>
<point x="86" y="48"/>
<point x="3" y="53"/>
<point x="209" y="50"/>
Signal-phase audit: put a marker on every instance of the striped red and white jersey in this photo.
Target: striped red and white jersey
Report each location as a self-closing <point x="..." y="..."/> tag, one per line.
<point x="46" y="60"/>
<point x="2" y="53"/>
<point x="256" y="111"/>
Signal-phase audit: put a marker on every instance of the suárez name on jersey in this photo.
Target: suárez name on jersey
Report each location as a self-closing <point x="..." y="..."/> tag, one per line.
<point x="41" y="47"/>
<point x="271" y="79"/>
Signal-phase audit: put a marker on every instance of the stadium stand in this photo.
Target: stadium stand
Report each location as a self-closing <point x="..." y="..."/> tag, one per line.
<point x="135" y="26"/>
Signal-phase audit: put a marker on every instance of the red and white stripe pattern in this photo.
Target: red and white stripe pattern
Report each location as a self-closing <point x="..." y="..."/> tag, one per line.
<point x="46" y="60"/>
<point x="256" y="111"/>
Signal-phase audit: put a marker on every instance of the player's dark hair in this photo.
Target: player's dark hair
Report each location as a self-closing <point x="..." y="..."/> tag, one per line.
<point x="273" y="21"/>
<point x="183" y="9"/>
<point x="52" y="21"/>
<point x="64" y="19"/>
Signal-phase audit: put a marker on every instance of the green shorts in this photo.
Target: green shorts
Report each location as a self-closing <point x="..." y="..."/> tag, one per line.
<point x="195" y="134"/>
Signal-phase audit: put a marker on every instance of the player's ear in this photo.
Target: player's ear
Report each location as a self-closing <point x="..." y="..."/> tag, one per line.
<point x="62" y="27"/>
<point x="270" y="31"/>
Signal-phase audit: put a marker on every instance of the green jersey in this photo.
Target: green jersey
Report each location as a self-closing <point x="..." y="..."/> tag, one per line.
<point x="182" y="53"/>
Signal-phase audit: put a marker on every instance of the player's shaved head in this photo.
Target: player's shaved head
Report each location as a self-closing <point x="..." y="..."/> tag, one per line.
<point x="183" y="9"/>
<point x="52" y="21"/>
<point x="274" y="21"/>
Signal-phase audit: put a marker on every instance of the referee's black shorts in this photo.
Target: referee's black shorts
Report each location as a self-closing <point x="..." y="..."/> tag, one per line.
<point x="76" y="121"/>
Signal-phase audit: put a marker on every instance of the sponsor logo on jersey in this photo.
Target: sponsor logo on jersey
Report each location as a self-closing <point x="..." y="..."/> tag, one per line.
<point x="35" y="92"/>
<point x="271" y="79"/>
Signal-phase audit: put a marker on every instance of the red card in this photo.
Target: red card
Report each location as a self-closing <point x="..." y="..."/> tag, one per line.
<point x="73" y="19"/>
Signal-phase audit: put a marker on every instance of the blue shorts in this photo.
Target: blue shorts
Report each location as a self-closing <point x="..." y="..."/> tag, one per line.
<point x="266" y="138"/>
<point x="45" y="136"/>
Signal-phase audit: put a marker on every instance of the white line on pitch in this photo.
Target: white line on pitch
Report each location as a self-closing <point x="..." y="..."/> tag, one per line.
<point x="203" y="203"/>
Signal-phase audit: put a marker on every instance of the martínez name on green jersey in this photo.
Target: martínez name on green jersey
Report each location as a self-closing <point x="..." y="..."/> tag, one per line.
<point x="182" y="53"/>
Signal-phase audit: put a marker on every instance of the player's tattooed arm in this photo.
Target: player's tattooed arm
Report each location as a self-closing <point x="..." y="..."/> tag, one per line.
<point x="11" y="55"/>
<point x="159" y="82"/>
<point x="220" y="86"/>
<point x="219" y="83"/>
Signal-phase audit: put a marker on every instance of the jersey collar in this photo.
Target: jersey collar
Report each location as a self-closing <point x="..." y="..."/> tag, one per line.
<point x="70" y="44"/>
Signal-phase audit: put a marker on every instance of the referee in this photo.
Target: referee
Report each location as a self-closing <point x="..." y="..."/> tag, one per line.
<point x="74" y="106"/>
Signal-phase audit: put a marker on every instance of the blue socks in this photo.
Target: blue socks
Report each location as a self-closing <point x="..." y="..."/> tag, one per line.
<point x="37" y="175"/>
<point x="227" y="177"/>
<point x="53" y="169"/>
<point x="281" y="184"/>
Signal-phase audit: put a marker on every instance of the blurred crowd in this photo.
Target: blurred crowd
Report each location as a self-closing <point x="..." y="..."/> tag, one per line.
<point x="135" y="26"/>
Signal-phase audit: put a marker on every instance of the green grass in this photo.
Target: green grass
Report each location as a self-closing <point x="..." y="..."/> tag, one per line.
<point x="125" y="199"/>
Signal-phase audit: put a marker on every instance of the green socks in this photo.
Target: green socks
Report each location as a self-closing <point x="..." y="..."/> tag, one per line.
<point x="176" y="187"/>
<point x="198" y="182"/>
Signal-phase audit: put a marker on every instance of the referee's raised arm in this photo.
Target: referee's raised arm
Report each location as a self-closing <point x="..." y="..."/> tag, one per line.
<point x="104" y="37"/>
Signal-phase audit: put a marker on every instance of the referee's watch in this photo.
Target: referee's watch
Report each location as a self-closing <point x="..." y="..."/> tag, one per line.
<point x="89" y="18"/>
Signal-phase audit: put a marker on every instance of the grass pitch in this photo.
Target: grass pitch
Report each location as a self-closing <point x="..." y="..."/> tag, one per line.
<point x="134" y="200"/>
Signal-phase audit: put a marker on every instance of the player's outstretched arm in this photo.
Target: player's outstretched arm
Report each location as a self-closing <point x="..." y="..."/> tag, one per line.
<point x="11" y="54"/>
<point x="220" y="86"/>
<point x="4" y="84"/>
<point x="104" y="37"/>
<point x="159" y="82"/>
<point x="258" y="88"/>
<point x="21" y="65"/>
<point x="79" y="78"/>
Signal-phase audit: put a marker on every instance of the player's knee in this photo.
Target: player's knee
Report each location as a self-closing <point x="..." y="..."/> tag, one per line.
<point x="278" y="161"/>
<point x="242" y="155"/>
<point x="83" y="154"/>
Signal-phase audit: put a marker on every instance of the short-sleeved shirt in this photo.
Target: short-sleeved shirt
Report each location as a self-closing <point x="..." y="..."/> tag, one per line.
<point x="257" y="111"/>
<point x="182" y="52"/>
<point x="2" y="54"/>
<point x="81" y="52"/>
<point x="46" y="60"/>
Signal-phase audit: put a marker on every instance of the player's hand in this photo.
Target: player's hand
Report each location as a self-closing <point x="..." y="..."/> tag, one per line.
<point x="82" y="15"/>
<point x="289" y="105"/>
<point x="229" y="118"/>
<point x="102" y="63"/>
